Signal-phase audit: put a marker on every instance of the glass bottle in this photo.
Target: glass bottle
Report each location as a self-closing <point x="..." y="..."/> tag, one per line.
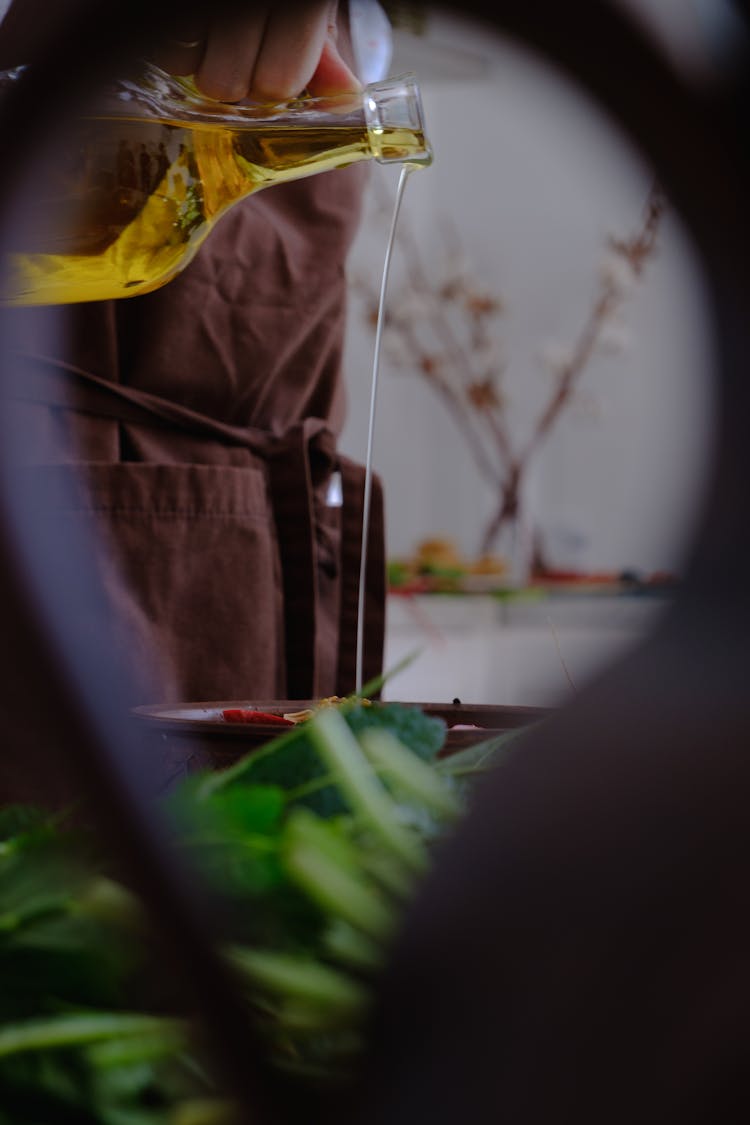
<point x="121" y="204"/>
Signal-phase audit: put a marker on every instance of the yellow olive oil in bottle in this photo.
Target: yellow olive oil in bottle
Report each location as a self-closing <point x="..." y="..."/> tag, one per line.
<point x="127" y="197"/>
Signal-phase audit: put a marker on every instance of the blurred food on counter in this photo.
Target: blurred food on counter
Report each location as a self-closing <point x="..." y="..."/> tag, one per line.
<point x="437" y="566"/>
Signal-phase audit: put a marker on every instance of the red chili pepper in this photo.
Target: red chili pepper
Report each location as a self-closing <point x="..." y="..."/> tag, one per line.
<point x="247" y="715"/>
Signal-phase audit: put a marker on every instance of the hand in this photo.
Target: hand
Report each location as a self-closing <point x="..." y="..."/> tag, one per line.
<point x="270" y="53"/>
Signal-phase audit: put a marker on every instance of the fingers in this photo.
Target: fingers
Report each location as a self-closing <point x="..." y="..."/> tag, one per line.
<point x="182" y="52"/>
<point x="292" y="47"/>
<point x="233" y="46"/>
<point x="270" y="53"/>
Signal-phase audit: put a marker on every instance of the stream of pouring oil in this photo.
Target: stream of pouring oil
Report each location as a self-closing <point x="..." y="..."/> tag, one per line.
<point x="406" y="170"/>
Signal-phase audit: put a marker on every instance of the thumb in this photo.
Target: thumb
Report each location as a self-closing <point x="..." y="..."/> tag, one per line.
<point x="332" y="74"/>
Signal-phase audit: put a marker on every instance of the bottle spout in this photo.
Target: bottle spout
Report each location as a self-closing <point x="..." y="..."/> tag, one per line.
<point x="395" y="121"/>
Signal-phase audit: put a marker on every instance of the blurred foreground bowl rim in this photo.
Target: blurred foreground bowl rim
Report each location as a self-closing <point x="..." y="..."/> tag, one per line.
<point x="204" y="718"/>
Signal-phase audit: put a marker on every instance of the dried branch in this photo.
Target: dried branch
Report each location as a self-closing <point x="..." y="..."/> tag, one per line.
<point x="445" y="329"/>
<point x="625" y="265"/>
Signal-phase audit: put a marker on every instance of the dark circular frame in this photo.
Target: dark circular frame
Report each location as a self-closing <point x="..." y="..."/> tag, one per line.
<point x="694" y="136"/>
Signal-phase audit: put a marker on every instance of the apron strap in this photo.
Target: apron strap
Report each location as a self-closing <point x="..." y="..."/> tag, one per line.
<point x="304" y="457"/>
<point x="297" y="462"/>
<point x="47" y="381"/>
<point x="353" y="487"/>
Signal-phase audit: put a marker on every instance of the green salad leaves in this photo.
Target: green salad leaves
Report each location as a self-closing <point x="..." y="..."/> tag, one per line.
<point x="314" y="844"/>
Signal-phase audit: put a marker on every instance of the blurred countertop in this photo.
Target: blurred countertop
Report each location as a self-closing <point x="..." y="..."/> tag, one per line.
<point x="529" y="649"/>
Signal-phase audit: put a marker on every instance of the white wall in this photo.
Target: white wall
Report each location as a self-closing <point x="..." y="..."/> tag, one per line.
<point x="535" y="178"/>
<point x="535" y="653"/>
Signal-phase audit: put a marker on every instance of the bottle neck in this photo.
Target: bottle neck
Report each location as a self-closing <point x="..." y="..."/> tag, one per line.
<point x="395" y="120"/>
<point x="391" y="111"/>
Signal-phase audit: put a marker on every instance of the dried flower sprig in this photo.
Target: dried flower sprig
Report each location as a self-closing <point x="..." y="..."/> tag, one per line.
<point x="444" y="327"/>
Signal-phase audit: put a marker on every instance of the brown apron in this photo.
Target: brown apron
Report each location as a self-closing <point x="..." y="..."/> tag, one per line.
<point x="196" y="428"/>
